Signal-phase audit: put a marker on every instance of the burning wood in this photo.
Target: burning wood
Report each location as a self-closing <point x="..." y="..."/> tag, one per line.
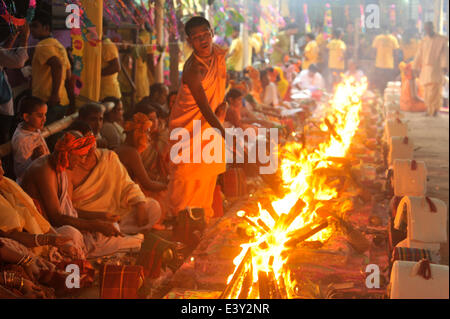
<point x="310" y="181"/>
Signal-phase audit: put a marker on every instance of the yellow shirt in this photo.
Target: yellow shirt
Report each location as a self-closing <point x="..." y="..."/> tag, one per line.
<point x="142" y="78"/>
<point x="110" y="84"/>
<point x="385" y="45"/>
<point x="336" y="54"/>
<point x="409" y="49"/>
<point x="311" y="54"/>
<point x="41" y="71"/>
<point x="235" y="61"/>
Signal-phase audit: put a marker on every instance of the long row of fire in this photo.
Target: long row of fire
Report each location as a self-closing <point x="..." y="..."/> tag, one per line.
<point x="308" y="207"/>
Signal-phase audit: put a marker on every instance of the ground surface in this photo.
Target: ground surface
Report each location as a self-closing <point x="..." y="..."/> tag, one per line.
<point x="430" y="136"/>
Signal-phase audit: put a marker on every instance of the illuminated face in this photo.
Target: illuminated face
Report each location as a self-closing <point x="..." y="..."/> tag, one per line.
<point x="95" y="121"/>
<point x="38" y="30"/>
<point x="118" y="112"/>
<point x="155" y="122"/>
<point x="75" y="160"/>
<point x="37" y="118"/>
<point x="201" y="40"/>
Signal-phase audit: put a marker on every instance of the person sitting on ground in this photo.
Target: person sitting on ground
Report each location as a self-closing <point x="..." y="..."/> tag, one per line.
<point x="21" y="221"/>
<point x="92" y="114"/>
<point x="13" y="284"/>
<point x="112" y="130"/>
<point x="49" y="182"/>
<point x="269" y="95"/>
<point x="156" y="157"/>
<point x="309" y="79"/>
<point x="171" y="98"/>
<point x="27" y="142"/>
<point x="158" y="99"/>
<point x="130" y="152"/>
<point x="101" y="186"/>
<point x="239" y="116"/>
<point x="354" y="71"/>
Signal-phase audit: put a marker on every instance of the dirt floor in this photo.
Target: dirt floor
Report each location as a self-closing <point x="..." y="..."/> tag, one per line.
<point x="430" y="136"/>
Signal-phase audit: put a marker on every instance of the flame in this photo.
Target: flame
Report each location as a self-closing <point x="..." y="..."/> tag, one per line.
<point x="298" y="167"/>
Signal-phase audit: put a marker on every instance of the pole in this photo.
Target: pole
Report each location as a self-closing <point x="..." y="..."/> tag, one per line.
<point x="438" y="8"/>
<point x="159" y="70"/>
<point x="245" y="38"/>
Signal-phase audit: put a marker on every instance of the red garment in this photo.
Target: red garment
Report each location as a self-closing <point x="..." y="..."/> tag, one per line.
<point x="72" y="144"/>
<point x="407" y="102"/>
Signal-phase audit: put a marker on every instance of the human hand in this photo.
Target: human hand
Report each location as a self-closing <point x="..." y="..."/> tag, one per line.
<point x="56" y="240"/>
<point x="107" y="228"/>
<point x="110" y="217"/>
<point x="30" y="290"/>
<point x="221" y="111"/>
<point x="32" y="270"/>
<point x="24" y="31"/>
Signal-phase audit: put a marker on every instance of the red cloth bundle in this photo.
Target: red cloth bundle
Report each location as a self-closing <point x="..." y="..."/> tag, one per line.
<point x="217" y="202"/>
<point x="189" y="226"/>
<point x="235" y="183"/>
<point x="120" y="282"/>
<point x="151" y="254"/>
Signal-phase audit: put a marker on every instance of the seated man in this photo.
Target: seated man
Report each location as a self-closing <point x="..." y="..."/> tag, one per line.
<point x="156" y="157"/>
<point x="309" y="79"/>
<point x="21" y="221"/>
<point x="102" y="187"/>
<point x="48" y="182"/>
<point x="92" y="114"/>
<point x="354" y="71"/>
<point x="112" y="130"/>
<point x="130" y="155"/>
<point x="27" y="142"/>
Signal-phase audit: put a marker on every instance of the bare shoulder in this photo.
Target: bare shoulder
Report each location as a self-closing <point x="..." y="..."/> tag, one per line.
<point x="193" y="70"/>
<point x="39" y="172"/>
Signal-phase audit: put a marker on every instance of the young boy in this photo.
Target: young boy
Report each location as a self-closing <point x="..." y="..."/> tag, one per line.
<point x="27" y="142"/>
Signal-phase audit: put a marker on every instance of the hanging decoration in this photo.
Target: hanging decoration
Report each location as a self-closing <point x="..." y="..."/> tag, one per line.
<point x="306" y="16"/>
<point x="392" y="15"/>
<point x="7" y="12"/>
<point x="420" y="18"/>
<point x="363" y="19"/>
<point x="328" y="22"/>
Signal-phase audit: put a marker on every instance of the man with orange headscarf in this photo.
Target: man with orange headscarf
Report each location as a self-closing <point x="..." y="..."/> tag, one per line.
<point x="48" y="182"/>
<point x="130" y="151"/>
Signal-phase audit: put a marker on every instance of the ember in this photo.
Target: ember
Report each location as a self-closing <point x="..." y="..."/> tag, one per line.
<point x="261" y="270"/>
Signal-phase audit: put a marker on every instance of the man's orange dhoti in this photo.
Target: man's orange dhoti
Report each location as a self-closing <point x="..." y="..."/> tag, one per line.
<point x="192" y="184"/>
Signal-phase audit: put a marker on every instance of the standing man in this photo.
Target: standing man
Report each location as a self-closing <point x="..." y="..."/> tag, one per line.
<point x="50" y="69"/>
<point x="201" y="93"/>
<point x="336" y="56"/>
<point x="235" y="56"/>
<point x="13" y="58"/>
<point x="110" y="70"/>
<point x="311" y="53"/>
<point x="386" y="45"/>
<point x="432" y="62"/>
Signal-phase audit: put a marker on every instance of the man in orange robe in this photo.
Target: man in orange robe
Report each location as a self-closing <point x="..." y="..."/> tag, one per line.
<point x="201" y="93"/>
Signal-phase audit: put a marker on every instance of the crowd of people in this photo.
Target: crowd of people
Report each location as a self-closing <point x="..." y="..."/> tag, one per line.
<point x="94" y="188"/>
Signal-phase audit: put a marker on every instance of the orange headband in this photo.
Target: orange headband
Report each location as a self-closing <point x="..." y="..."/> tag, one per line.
<point x="71" y="144"/>
<point x="140" y="122"/>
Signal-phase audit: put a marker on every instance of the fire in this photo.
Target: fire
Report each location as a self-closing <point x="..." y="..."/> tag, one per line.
<point x="266" y="254"/>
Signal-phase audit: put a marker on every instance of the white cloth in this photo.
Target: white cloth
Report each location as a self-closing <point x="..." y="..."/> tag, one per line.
<point x="12" y="59"/>
<point x="113" y="134"/>
<point x="406" y="284"/>
<point x="96" y="244"/>
<point x="305" y="81"/>
<point x="423" y="225"/>
<point x="408" y="182"/>
<point x="271" y="95"/>
<point x="23" y="144"/>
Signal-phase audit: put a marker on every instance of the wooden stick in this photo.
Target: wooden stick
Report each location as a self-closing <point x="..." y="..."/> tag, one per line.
<point x="246" y="284"/>
<point x="264" y="286"/>
<point x="237" y="275"/>
<point x="302" y="236"/>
